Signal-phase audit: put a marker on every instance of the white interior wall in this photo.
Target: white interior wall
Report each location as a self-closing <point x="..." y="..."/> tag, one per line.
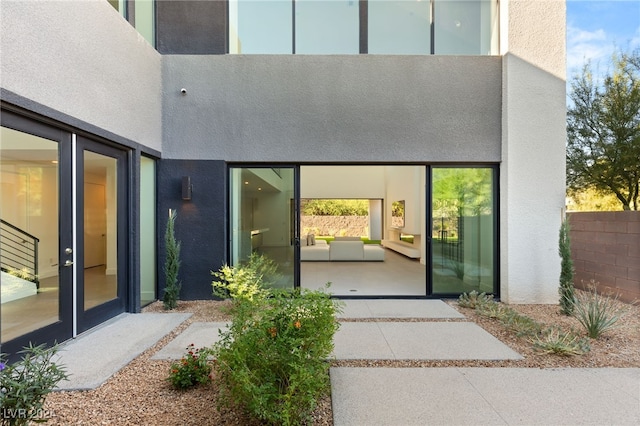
<point x="342" y="182"/>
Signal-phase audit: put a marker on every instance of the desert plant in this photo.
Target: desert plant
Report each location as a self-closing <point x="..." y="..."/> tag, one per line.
<point x="24" y="385"/>
<point x="597" y="313"/>
<point x="492" y="309"/>
<point x="172" y="264"/>
<point x="555" y="341"/>
<point x="566" y="290"/>
<point x="272" y="360"/>
<point x="473" y="299"/>
<point x="522" y="325"/>
<point x="247" y="280"/>
<point x="194" y="368"/>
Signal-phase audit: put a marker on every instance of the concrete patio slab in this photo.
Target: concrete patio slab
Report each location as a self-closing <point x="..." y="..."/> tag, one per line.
<point x="418" y="341"/>
<point x="389" y="308"/>
<point x="488" y="396"/>
<point x="94" y="356"/>
<point x="201" y="334"/>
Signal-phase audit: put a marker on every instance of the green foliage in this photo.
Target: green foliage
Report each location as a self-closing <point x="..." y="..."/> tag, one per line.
<point x="597" y="313"/>
<point x="473" y="299"/>
<point x="549" y="340"/>
<point x="521" y="325"/>
<point x="272" y="362"/>
<point x="24" y="273"/>
<point x="591" y="200"/>
<point x="565" y="343"/>
<point x="492" y="309"/>
<point x="246" y="281"/>
<point x="338" y="207"/>
<point x="172" y="265"/>
<point x="194" y="368"/>
<point x="566" y="290"/>
<point x="603" y="131"/>
<point x="25" y="384"/>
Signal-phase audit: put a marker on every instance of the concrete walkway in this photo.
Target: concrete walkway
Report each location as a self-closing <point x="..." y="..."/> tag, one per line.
<point x="397" y="396"/>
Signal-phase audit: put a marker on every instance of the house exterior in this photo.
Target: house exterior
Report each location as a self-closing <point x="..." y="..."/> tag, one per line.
<point x="230" y="112"/>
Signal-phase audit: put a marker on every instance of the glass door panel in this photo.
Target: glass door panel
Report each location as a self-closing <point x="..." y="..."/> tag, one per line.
<point x="29" y="233"/>
<point x="102" y="232"/>
<point x="463" y="233"/>
<point x="263" y="220"/>
<point x="100" y="229"/>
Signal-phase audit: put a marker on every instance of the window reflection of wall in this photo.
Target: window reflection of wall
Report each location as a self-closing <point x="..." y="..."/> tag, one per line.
<point x="460" y="27"/>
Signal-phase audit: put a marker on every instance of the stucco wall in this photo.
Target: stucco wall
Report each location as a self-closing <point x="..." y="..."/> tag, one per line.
<point x="89" y="64"/>
<point x="340" y="108"/>
<point x="605" y="248"/>
<point x="532" y="174"/>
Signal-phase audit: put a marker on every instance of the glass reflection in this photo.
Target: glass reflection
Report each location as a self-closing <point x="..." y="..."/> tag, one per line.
<point x="399" y="27"/>
<point x="30" y="287"/>
<point x="100" y="229"/>
<point x="463" y="27"/>
<point x="327" y="27"/>
<point x="462" y="232"/>
<point x="260" y="26"/>
<point x="261" y="220"/>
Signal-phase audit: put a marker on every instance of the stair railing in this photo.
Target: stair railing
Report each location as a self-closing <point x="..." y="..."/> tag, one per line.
<point x="19" y="252"/>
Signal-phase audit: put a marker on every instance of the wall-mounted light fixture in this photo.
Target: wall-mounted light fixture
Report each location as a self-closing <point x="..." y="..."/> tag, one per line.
<point x="187" y="188"/>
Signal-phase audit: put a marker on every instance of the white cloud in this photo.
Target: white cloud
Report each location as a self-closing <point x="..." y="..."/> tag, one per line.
<point x="584" y="46"/>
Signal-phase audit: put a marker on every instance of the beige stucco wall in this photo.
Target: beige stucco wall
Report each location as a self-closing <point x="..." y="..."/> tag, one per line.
<point x="532" y="173"/>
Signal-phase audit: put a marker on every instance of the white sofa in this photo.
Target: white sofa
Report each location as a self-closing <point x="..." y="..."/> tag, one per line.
<point x="317" y="252"/>
<point x="342" y="251"/>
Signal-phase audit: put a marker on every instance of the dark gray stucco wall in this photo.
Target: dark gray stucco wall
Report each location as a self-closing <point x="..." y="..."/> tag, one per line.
<point x="200" y="223"/>
<point x="366" y="108"/>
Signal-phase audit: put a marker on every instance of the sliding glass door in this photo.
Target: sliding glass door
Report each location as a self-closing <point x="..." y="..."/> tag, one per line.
<point x="463" y="230"/>
<point x="263" y="221"/>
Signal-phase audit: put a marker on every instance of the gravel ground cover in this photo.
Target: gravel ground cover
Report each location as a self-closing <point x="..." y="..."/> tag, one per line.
<point x="139" y="394"/>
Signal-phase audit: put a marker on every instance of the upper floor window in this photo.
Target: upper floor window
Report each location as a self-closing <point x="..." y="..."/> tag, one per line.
<point x="141" y="14"/>
<point x="406" y="27"/>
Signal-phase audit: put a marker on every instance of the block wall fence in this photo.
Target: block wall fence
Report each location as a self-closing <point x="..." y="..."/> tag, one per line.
<point x="605" y="247"/>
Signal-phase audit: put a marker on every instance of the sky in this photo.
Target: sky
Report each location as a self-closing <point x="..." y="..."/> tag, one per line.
<point x="595" y="29"/>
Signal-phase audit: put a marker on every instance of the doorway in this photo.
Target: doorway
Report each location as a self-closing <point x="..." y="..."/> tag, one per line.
<point x="63" y="235"/>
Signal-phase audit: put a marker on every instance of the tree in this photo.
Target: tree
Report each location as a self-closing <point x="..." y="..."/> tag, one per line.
<point x="566" y="290"/>
<point x="171" y="265"/>
<point x="603" y="131"/>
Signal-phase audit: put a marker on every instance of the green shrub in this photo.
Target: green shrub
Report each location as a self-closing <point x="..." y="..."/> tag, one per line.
<point x="246" y="281"/>
<point x="24" y="385"/>
<point x="172" y="265"/>
<point x="194" y="368"/>
<point x="272" y="361"/>
<point x="597" y="313"/>
<point x="555" y="341"/>
<point x="473" y="299"/>
<point x="566" y="290"/>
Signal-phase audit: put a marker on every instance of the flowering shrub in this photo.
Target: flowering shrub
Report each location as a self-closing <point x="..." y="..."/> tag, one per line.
<point x="25" y="384"/>
<point x="247" y="281"/>
<point x="194" y="368"/>
<point x="273" y="359"/>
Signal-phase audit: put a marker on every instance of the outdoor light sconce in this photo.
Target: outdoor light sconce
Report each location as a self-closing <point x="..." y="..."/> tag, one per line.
<point x="186" y="188"/>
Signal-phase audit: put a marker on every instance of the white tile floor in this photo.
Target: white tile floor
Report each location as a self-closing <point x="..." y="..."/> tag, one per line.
<point x="396" y="276"/>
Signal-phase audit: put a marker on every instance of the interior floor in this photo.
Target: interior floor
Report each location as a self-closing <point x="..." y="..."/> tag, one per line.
<point x="33" y="312"/>
<point x="398" y="275"/>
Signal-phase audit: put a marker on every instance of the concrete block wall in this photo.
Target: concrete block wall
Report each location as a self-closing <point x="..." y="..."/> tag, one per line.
<point x="605" y="247"/>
